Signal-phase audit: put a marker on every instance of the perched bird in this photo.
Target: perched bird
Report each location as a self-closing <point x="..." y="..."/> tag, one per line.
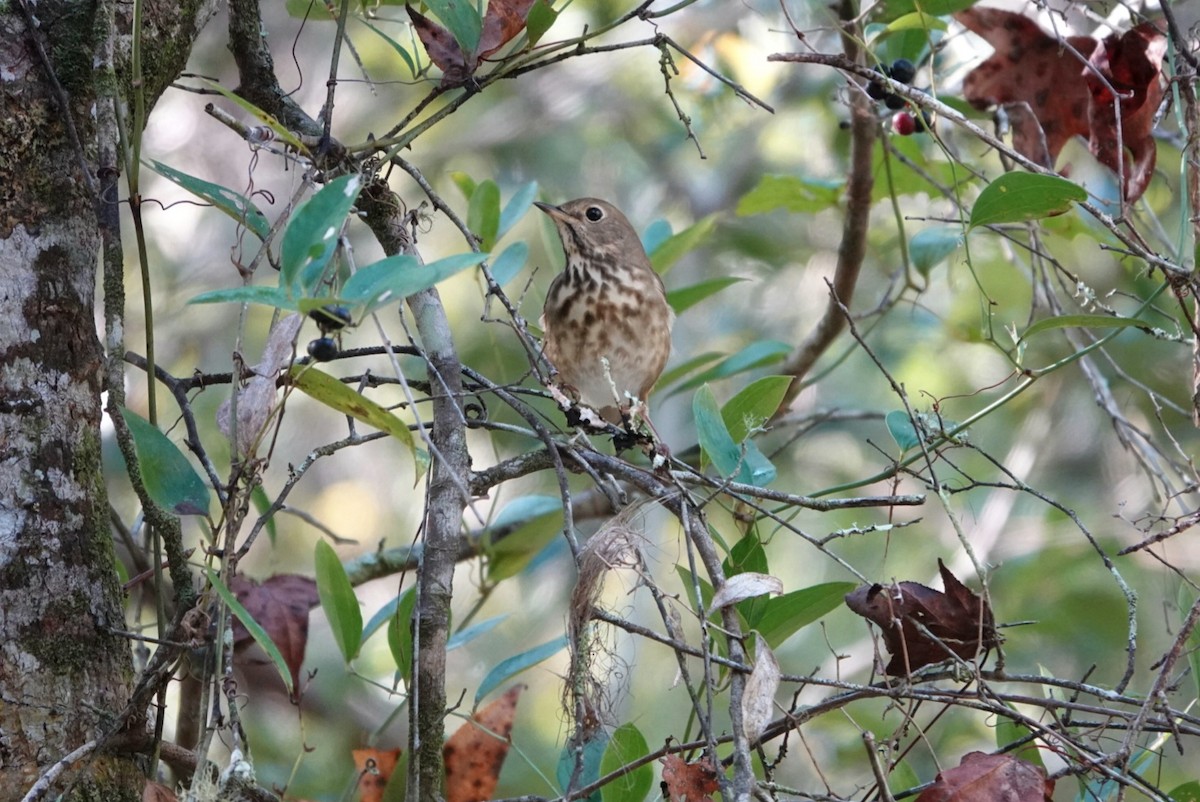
<point x="606" y="322"/>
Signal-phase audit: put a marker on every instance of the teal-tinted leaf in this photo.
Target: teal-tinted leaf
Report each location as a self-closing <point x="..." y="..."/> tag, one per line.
<point x="168" y="476"/>
<point x="249" y="294"/>
<point x="684" y="368"/>
<point x="380" y="618"/>
<point x="462" y="19"/>
<point x="483" y="213"/>
<point x="311" y="237"/>
<point x="655" y="234"/>
<point x="1083" y="322"/>
<point x="509" y="263"/>
<point x="400" y="50"/>
<point x="1017" y="197"/>
<point x="795" y="194"/>
<point x="756" y="469"/>
<point x="626" y="745"/>
<point x="674" y="247"/>
<point x="718" y="444"/>
<point x="234" y="204"/>
<point x="1009" y="732"/>
<point x="399" y="634"/>
<point x="785" y="615"/>
<point x="901" y="428"/>
<point x="931" y="245"/>
<point x="580" y="765"/>
<point x="393" y="279"/>
<point x="507" y="669"/>
<point x="257" y="632"/>
<point x="519" y="532"/>
<point x="320" y="386"/>
<point x="685" y="298"/>
<point x="520" y="203"/>
<point x="541" y="16"/>
<point x="754" y="355"/>
<point x="464" y="636"/>
<point x="754" y="405"/>
<point x="338" y="601"/>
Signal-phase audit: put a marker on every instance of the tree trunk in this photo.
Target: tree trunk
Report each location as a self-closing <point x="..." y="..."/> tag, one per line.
<point x="65" y="673"/>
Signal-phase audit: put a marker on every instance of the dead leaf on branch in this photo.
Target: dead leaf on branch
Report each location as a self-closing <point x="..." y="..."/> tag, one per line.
<point x="280" y="605"/>
<point x="1051" y="94"/>
<point x="375" y="767"/>
<point x="502" y="22"/>
<point x="689" y="782"/>
<point x="958" y="622"/>
<point x="981" y="777"/>
<point x="475" y="753"/>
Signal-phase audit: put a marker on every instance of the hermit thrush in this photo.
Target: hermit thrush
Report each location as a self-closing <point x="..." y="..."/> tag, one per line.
<point x="606" y="322"/>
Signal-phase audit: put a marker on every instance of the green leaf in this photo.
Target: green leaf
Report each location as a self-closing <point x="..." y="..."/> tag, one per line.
<point x="795" y="194"/>
<point x="689" y="585"/>
<point x="541" y="17"/>
<point x="168" y="476"/>
<point x="901" y="428"/>
<point x="754" y="355"/>
<point x="257" y="632"/>
<point x="519" y="532"/>
<point x="685" y="298"/>
<point x="930" y="246"/>
<point x="395" y="278"/>
<point x="334" y="394"/>
<point x="234" y="204"/>
<point x="399" y="633"/>
<point x="589" y="771"/>
<point x="249" y="294"/>
<point x="509" y="263"/>
<point x="507" y="669"/>
<point x="380" y="618"/>
<point x="464" y="182"/>
<point x="462" y="19"/>
<point x="279" y="129"/>
<point x="626" y="745"/>
<point x="520" y="203"/>
<point x="894" y="9"/>
<point x="1017" y="197"/>
<point x="311" y="237"/>
<point x="916" y="21"/>
<point x="1188" y="792"/>
<point x="684" y="368"/>
<point x="401" y="51"/>
<point x="754" y="405"/>
<point x="483" y="213"/>
<point x="786" y="614"/>
<point x="338" y="601"/>
<point x="1009" y="731"/>
<point x="1083" y="322"/>
<point x="309" y="10"/>
<point x="670" y="252"/>
<point x="748" y="555"/>
<point x="902" y="778"/>
<point x="743" y="463"/>
<point x="261" y="503"/>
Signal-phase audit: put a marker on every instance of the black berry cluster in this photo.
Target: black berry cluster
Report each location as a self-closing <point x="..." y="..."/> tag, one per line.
<point x="329" y="319"/>
<point x="903" y="122"/>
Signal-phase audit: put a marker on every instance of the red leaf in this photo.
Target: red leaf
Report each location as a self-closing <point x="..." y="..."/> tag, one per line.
<point x="1132" y="64"/>
<point x="280" y="605"/>
<point x="689" y="782"/>
<point x="959" y="621"/>
<point x="443" y="50"/>
<point x="375" y="768"/>
<point x="501" y="24"/>
<point x="474" y="755"/>
<point x="990" y="778"/>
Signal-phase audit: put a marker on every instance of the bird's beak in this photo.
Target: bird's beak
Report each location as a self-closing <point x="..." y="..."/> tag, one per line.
<point x="554" y="212"/>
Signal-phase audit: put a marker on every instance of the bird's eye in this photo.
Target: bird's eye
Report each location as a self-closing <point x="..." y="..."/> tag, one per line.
<point x="594" y="213"/>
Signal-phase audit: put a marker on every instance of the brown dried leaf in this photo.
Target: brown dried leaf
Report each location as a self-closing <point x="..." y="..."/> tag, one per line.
<point x="257" y="399"/>
<point x="504" y="20"/>
<point x="443" y="50"/>
<point x="474" y="755"/>
<point x="990" y="778"/>
<point x="689" y="782"/>
<point x="375" y="768"/>
<point x="959" y="621"/>
<point x="280" y="605"/>
<point x="758" y="698"/>
<point x="1030" y="67"/>
<point x="1132" y="63"/>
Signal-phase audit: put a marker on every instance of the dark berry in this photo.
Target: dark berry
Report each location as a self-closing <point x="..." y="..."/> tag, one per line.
<point x="903" y="71"/>
<point x="895" y="102"/>
<point x="876" y="90"/>
<point x="903" y="123"/>
<point x="924" y="120"/>
<point x="323" y="349"/>
<point x="331" y="317"/>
